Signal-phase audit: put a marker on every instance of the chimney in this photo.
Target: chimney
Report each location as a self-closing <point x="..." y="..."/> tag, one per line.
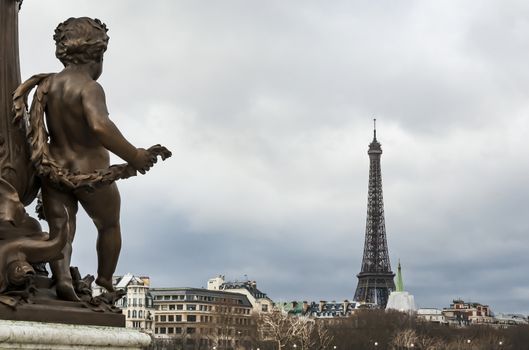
<point x="322" y="304"/>
<point x="305" y="307"/>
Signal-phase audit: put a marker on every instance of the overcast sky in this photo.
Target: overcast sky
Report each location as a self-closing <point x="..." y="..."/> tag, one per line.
<point x="267" y="107"/>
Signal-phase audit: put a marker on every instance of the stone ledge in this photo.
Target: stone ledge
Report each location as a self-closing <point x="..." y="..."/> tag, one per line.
<point x="54" y="336"/>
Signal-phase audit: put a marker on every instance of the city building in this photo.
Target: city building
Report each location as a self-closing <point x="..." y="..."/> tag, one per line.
<point x="511" y="319"/>
<point x="465" y="313"/>
<point x="259" y="300"/>
<point x="203" y="317"/>
<point x="137" y="304"/>
<point x="401" y="300"/>
<point x="321" y="309"/>
<point x="431" y="315"/>
<point x="375" y="280"/>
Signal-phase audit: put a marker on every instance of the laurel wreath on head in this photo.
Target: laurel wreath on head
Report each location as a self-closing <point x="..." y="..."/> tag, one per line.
<point x="37" y="137"/>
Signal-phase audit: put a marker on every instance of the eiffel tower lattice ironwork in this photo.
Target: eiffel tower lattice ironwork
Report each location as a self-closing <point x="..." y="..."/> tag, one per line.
<point x="375" y="280"/>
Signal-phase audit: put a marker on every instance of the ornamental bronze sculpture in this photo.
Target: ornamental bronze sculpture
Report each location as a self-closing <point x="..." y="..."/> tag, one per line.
<point x="60" y="145"/>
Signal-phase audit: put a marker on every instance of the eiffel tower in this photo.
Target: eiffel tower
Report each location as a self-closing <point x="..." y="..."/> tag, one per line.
<point x="375" y="280"/>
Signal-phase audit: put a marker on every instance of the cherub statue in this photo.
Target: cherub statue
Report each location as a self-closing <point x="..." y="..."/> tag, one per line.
<point x="71" y="155"/>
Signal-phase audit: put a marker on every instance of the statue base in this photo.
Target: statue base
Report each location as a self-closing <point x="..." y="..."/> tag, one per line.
<point x="46" y="336"/>
<point x="61" y="312"/>
<point x="44" y="306"/>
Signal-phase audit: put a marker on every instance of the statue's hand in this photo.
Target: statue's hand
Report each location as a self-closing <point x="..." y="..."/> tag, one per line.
<point x="143" y="160"/>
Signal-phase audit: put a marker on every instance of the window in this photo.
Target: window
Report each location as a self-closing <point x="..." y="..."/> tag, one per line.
<point x="140" y="314"/>
<point x="191" y="318"/>
<point x="264" y="308"/>
<point x="163" y="318"/>
<point x="170" y="318"/>
<point x="178" y="330"/>
<point x="156" y="331"/>
<point x="166" y="297"/>
<point x="191" y="330"/>
<point x="163" y="330"/>
<point x="179" y="306"/>
<point x="191" y="307"/>
<point x="128" y="313"/>
<point x="170" y="330"/>
<point x="134" y="314"/>
<point x="178" y="318"/>
<point x="172" y="307"/>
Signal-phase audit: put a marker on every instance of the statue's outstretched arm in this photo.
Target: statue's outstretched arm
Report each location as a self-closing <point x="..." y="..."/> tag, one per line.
<point x="96" y="112"/>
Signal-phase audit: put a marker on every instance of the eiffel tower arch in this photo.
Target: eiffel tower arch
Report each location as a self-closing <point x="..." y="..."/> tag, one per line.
<point x="375" y="280"/>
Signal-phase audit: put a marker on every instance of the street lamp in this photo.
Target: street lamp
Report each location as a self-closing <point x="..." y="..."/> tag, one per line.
<point x="334" y="347"/>
<point x="412" y="345"/>
<point x="376" y="344"/>
<point x="295" y="346"/>
<point x="468" y="341"/>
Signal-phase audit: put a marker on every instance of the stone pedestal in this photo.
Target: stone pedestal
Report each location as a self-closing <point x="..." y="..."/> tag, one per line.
<point x="51" y="336"/>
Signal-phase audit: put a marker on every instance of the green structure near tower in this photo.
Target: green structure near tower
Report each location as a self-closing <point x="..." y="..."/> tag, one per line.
<point x="400" y="284"/>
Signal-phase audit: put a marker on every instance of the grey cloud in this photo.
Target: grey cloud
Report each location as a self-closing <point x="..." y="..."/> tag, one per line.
<point x="267" y="107"/>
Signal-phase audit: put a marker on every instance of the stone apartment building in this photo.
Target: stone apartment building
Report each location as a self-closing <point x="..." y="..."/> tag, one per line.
<point x="431" y="315"/>
<point x="465" y="313"/>
<point x="137" y="304"/>
<point x="203" y="317"/>
<point x="259" y="300"/>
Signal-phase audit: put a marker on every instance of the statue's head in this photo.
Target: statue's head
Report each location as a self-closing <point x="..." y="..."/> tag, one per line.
<point x="80" y="40"/>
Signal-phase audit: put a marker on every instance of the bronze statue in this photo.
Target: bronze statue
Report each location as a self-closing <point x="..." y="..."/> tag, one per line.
<point x="68" y="138"/>
<point x="80" y="138"/>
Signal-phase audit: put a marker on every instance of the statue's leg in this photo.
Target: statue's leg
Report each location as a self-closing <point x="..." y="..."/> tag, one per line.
<point x="55" y="204"/>
<point x="103" y="206"/>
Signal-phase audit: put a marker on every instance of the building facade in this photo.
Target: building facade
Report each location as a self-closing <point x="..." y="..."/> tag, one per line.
<point x="203" y="317"/>
<point x="465" y="313"/>
<point x="259" y="300"/>
<point x="137" y="304"/>
<point x="431" y="315"/>
<point x="322" y="309"/>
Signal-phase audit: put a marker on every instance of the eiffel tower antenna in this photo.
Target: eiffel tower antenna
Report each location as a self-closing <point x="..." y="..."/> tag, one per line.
<point x="375" y="280"/>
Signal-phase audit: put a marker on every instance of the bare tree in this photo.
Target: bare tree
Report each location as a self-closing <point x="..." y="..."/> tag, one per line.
<point x="279" y="327"/>
<point x="324" y="338"/>
<point x="404" y="339"/>
<point x="305" y="332"/>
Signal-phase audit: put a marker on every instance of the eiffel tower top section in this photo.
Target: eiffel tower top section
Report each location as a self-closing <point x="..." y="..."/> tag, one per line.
<point x="375" y="147"/>
<point x="376" y="257"/>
